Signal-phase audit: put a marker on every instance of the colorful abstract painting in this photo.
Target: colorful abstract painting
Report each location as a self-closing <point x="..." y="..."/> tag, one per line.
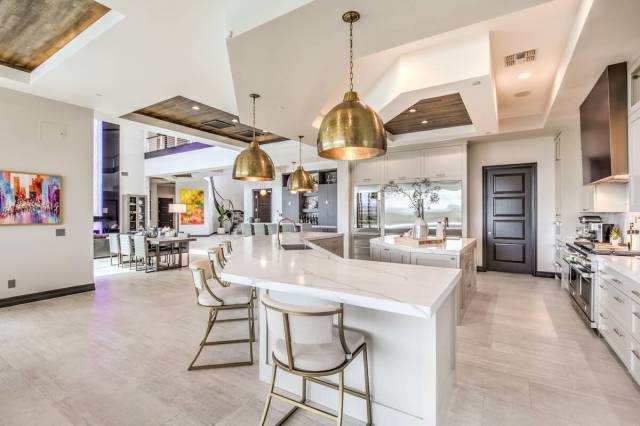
<point x="29" y="199"/>
<point x="194" y="199"/>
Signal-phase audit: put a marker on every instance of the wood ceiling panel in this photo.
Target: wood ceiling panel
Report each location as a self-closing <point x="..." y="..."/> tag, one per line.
<point x="31" y="31"/>
<point x="439" y="112"/>
<point x="179" y="110"/>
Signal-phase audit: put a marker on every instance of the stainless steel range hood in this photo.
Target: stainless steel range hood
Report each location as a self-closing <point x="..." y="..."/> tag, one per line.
<point x="603" y="128"/>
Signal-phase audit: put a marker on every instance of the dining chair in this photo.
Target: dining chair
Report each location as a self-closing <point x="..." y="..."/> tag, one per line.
<point x="259" y="229"/>
<point x="126" y="249"/>
<point x="114" y="248"/>
<point x="218" y="298"/>
<point x="288" y="227"/>
<point x="247" y="230"/>
<point x="272" y="228"/>
<point x="141" y="252"/>
<point x="308" y="345"/>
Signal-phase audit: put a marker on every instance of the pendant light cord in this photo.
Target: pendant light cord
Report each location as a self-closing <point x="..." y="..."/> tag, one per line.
<point x="254" y="119"/>
<point x="351" y="56"/>
<point x="300" y="145"/>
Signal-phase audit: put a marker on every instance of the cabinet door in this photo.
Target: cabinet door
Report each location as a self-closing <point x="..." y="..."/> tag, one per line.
<point x="385" y="254"/>
<point x="399" y="256"/>
<point x="368" y="172"/>
<point x="586" y="198"/>
<point x="403" y="166"/>
<point x="443" y="162"/>
<point x="634" y="165"/>
<point x="441" y="260"/>
<point x="327" y="204"/>
<point x="290" y="205"/>
<point x="375" y="253"/>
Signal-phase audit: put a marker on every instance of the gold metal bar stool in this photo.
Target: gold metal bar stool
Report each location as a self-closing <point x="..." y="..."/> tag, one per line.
<point x="308" y="345"/>
<point x="211" y="294"/>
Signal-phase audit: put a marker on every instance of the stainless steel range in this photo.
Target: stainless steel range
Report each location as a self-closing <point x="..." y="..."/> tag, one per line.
<point x="581" y="280"/>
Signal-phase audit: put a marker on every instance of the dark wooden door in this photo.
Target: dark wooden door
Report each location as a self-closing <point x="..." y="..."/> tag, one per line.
<point x="509" y="208"/>
<point x="164" y="217"/>
<point x="262" y="205"/>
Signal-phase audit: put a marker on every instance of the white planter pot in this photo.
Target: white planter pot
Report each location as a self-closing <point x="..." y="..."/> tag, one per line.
<point x="615" y="242"/>
<point x="221" y="231"/>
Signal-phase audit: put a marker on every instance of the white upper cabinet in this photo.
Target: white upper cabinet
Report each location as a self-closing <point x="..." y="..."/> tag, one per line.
<point x="368" y="172"/>
<point x="604" y="198"/>
<point x="634" y="162"/>
<point x="444" y="162"/>
<point x="403" y="166"/>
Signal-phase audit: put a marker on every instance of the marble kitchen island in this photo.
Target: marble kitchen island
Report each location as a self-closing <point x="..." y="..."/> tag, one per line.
<point x="407" y="313"/>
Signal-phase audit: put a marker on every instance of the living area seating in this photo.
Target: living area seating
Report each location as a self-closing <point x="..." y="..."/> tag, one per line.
<point x="308" y="345"/>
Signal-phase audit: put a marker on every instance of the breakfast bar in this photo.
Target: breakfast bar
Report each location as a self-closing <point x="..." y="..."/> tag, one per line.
<point x="407" y="313"/>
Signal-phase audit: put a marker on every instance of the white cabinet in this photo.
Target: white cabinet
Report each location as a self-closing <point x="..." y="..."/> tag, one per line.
<point x="445" y="162"/>
<point x="400" y="256"/>
<point x="369" y="171"/>
<point x="634" y="162"/>
<point x="403" y="166"/>
<point x="604" y="198"/>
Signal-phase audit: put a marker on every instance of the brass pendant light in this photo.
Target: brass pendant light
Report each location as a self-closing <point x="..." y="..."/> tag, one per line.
<point x="253" y="164"/>
<point x="300" y="180"/>
<point x="351" y="130"/>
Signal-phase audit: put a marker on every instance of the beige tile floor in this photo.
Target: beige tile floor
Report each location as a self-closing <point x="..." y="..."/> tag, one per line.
<point x="119" y="356"/>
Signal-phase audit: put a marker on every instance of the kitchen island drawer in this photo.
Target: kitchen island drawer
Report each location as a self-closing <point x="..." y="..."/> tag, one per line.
<point x="628" y="286"/>
<point x="634" y="360"/>
<point x="618" y="305"/>
<point x="441" y="260"/>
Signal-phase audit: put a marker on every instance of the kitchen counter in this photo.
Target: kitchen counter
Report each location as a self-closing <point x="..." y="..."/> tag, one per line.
<point x="406" y="312"/>
<point x="626" y="265"/>
<point x="450" y="246"/>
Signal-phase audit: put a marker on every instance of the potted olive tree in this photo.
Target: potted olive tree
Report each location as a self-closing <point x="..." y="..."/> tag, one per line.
<point x="421" y="194"/>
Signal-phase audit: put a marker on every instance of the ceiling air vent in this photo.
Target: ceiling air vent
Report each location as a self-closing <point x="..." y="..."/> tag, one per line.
<point x="217" y="124"/>
<point x="520" y="58"/>
<point x="249" y="133"/>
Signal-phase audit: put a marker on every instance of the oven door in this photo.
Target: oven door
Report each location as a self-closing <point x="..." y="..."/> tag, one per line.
<point x="586" y="294"/>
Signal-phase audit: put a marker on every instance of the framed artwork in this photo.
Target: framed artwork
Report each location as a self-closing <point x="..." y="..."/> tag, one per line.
<point x="30" y="199"/>
<point x="194" y="200"/>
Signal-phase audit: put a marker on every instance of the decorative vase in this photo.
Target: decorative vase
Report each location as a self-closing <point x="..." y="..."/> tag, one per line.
<point x="420" y="229"/>
<point x="615" y="241"/>
<point x="221" y="231"/>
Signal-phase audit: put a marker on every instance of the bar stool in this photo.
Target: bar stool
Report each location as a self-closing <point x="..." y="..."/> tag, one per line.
<point x="310" y="346"/>
<point x="216" y="299"/>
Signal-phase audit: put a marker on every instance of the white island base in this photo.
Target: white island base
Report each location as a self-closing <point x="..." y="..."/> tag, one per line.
<point x="406" y="312"/>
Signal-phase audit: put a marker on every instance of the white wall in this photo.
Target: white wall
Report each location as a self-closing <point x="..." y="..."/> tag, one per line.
<point x="132" y="140"/>
<point x="535" y="150"/>
<point x="209" y="216"/>
<point x="33" y="255"/>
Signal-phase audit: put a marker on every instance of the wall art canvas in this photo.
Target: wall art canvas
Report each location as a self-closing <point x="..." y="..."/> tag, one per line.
<point x="29" y="199"/>
<point x="194" y="199"/>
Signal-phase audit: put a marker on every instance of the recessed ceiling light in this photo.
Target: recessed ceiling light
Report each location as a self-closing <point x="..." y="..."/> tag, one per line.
<point x="424" y="121"/>
<point x="235" y="120"/>
<point x="476" y="83"/>
<point x="412" y="110"/>
<point x="524" y="75"/>
<point x="522" y="94"/>
<point x="196" y="107"/>
<point x="98" y="94"/>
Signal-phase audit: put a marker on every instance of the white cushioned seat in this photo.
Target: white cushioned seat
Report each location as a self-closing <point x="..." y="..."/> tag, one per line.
<point x="319" y="357"/>
<point x="235" y="295"/>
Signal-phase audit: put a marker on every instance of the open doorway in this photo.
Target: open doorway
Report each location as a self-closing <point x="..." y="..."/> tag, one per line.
<point x="509" y="207"/>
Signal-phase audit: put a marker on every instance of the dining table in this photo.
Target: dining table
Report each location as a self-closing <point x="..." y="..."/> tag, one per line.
<point x="172" y="242"/>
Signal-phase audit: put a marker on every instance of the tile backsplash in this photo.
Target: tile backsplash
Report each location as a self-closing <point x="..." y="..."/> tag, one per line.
<point x="622" y="220"/>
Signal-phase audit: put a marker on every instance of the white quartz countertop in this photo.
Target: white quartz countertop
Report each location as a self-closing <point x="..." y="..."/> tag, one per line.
<point x="453" y="246"/>
<point x="404" y="289"/>
<point x="628" y="266"/>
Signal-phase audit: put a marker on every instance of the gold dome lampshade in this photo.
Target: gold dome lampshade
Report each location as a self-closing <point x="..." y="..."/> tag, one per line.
<point x="300" y="180"/>
<point x="253" y="164"/>
<point x="351" y="130"/>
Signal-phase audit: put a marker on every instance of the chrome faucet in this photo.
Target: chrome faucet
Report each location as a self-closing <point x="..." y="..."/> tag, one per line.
<point x="284" y="219"/>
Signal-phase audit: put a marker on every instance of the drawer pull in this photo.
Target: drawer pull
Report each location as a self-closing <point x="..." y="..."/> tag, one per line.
<point x="615" y="330"/>
<point x="637" y="315"/>
<point x="617" y="281"/>
<point x="617" y="299"/>
<point x="635" y="353"/>
<point x="602" y="315"/>
<point x="635" y="293"/>
<point x="602" y="287"/>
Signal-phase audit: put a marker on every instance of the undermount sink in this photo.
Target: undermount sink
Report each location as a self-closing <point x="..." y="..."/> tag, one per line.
<point x="295" y="247"/>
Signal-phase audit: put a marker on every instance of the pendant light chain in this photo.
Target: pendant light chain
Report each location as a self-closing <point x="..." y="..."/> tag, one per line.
<point x="351" y="56"/>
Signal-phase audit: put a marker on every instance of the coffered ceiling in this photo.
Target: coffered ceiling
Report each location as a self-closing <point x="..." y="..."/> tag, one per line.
<point x="186" y="112"/>
<point x="429" y="114"/>
<point x="32" y="31"/>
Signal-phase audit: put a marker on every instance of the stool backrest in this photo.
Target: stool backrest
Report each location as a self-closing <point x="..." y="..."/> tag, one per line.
<point x="259" y="229"/>
<point x="288" y="227"/>
<point x="246" y="229"/>
<point x="114" y="243"/>
<point x="140" y="245"/>
<point x="201" y="272"/>
<point x="272" y="228"/>
<point x="306" y="324"/>
<point x="125" y="244"/>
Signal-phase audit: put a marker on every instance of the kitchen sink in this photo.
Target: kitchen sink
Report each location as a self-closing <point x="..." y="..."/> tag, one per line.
<point x="295" y="247"/>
